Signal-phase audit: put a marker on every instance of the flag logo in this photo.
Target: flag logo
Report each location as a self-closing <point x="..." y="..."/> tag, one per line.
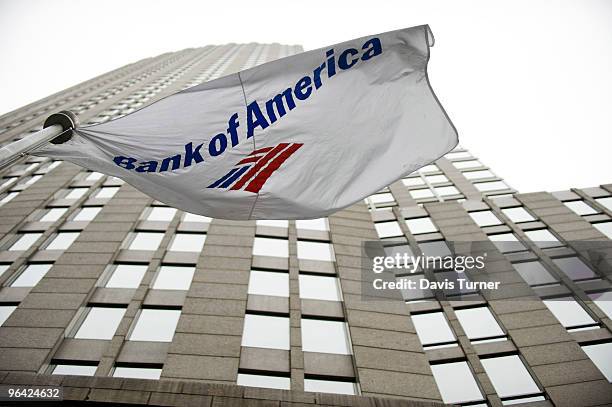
<point x="251" y="173"/>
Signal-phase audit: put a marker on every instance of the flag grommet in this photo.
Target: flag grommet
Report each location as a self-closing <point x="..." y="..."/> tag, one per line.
<point x="68" y="121"/>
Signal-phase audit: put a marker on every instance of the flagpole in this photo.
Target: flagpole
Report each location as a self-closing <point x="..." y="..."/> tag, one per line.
<point x="57" y="129"/>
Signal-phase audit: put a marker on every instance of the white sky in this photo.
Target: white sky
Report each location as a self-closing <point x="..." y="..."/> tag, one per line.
<point x="527" y="83"/>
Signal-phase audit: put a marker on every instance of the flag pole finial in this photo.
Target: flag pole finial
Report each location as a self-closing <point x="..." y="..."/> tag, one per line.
<point x="68" y="120"/>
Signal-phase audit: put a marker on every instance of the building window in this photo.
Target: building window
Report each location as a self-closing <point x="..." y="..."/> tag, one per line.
<point x="87" y="214"/>
<point x="264" y="246"/>
<point x="384" y="198"/>
<point x="268" y="283"/>
<point x="145" y="240"/>
<point x="446" y="191"/>
<point x="435" y="248"/>
<point x="574" y="268"/>
<point x="94" y="176"/>
<point x="467" y="164"/>
<point x="507" y="243"/>
<point x="162" y="214"/>
<point x="534" y="273"/>
<point x="604" y="301"/>
<point x="509" y="377"/>
<point x="569" y="313"/>
<point x="518" y="215"/>
<point x="478" y="174"/>
<point x="479" y="324"/>
<point x="456" y="382"/>
<point x="313" y="224"/>
<point x="543" y="238"/>
<point x="269" y="382"/>
<point x="605" y="202"/>
<point x="5" y="312"/>
<point x="485" y="218"/>
<point x="137" y="372"/>
<point x="106" y="192"/>
<point x="421" y="193"/>
<point x="601" y="355"/>
<point x="187" y="242"/>
<point x="436" y="179"/>
<point x="429" y="168"/>
<point x="413" y="182"/>
<point x="155" y="325"/>
<point x="192" y="217"/>
<point x="74" y="369"/>
<point x="325" y="337"/>
<point x="388" y="229"/>
<point x="490" y="186"/>
<point x="76" y="193"/>
<point x="100" y="323"/>
<point x="5" y="198"/>
<point x="307" y="250"/>
<point x="174" y="278"/>
<point x="25" y="241"/>
<point x="319" y="288"/>
<point x="433" y="330"/>
<point x="580" y="208"/>
<point x="126" y="276"/>
<point x="51" y="215"/>
<point x="605" y="228"/>
<point x="3" y="268"/>
<point x="31" y="275"/>
<point x="263" y="331"/>
<point x="421" y="225"/>
<point x="329" y="386"/>
<point x="62" y="241"/>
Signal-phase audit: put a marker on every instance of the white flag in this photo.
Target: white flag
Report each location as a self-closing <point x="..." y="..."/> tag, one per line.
<point x="299" y="137"/>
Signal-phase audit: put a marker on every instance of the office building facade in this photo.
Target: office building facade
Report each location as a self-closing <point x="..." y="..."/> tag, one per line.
<point x="118" y="298"/>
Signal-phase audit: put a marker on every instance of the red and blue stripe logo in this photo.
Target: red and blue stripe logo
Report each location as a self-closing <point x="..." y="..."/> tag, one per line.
<point x="251" y="173"/>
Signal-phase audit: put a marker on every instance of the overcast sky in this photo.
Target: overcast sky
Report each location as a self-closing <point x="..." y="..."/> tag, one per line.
<point x="527" y="83"/>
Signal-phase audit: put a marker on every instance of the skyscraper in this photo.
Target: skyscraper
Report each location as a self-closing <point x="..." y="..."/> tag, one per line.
<point x="100" y="280"/>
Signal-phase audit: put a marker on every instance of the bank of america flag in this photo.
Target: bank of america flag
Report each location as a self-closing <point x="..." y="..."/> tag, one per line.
<point x="300" y="137"/>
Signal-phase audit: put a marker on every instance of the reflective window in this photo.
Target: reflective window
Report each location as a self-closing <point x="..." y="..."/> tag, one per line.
<point x="8" y="197"/>
<point x="62" y="241"/>
<point x="25" y="241"/>
<point x="467" y="164"/>
<point x="191" y="217"/>
<point x="445" y="191"/>
<point x="388" y="229"/>
<point x="436" y="179"/>
<point x="161" y="214"/>
<point x="274" y="222"/>
<point x="383" y="198"/>
<point x="126" y="276"/>
<point x="315" y="251"/>
<point x="605" y="202"/>
<point x="435" y="248"/>
<point x="155" y="325"/>
<point x="580" y="207"/>
<point x="76" y="193"/>
<point x="490" y="186"/>
<point x="421" y="225"/>
<point x="329" y="386"/>
<point x="174" y="278"/>
<point x="509" y="376"/>
<point x="31" y="275"/>
<point x="5" y="312"/>
<point x="433" y="329"/>
<point x="319" y="288"/>
<point x="269" y="382"/>
<point x="264" y="246"/>
<point x="100" y="323"/>
<point x="73" y="369"/>
<point x="485" y="218"/>
<point x="269" y="283"/>
<point x="94" y="176"/>
<point x="146" y="240"/>
<point x="51" y="215"/>
<point x="421" y="193"/>
<point x="312" y="224"/>
<point x="187" y="242"/>
<point x="534" y="273"/>
<point x="543" y="238"/>
<point x="137" y="372"/>
<point x="569" y="313"/>
<point x="429" y="168"/>
<point x="507" y="242"/>
<point x="601" y="355"/>
<point x="325" y="336"/>
<point x="87" y="213"/>
<point x="263" y="331"/>
<point x="106" y="192"/>
<point x="518" y="215"/>
<point x="479" y="323"/>
<point x="456" y="382"/>
<point x="574" y="268"/>
<point x="604" y="301"/>
<point x="605" y="228"/>
<point x="3" y="268"/>
<point x="478" y="174"/>
<point x="413" y="181"/>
